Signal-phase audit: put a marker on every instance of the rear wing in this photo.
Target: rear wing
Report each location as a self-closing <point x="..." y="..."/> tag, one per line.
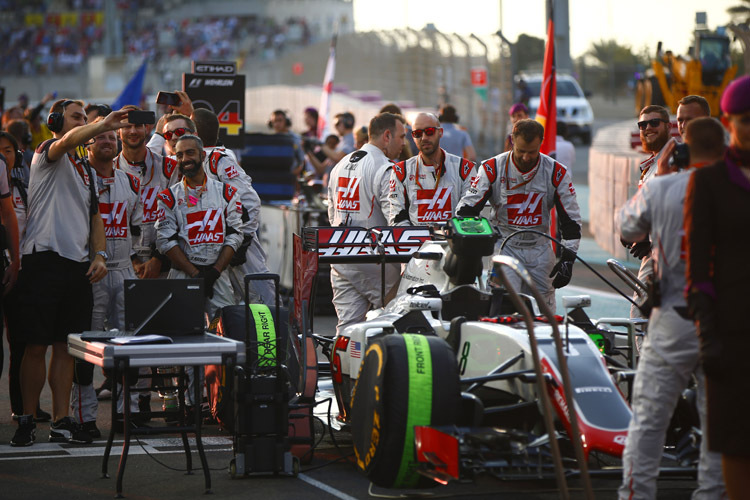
<point x="358" y="245"/>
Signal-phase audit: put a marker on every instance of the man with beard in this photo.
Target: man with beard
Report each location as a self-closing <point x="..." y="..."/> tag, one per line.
<point x="655" y="127"/>
<point x="119" y="206"/>
<point x="200" y="225"/>
<point x="63" y="255"/>
<point x="155" y="174"/>
<point x="218" y="165"/>
<point x="358" y="196"/>
<point x="425" y="189"/>
<point x="523" y="186"/>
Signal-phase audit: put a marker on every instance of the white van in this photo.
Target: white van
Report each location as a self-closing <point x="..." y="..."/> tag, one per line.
<point x="572" y="106"/>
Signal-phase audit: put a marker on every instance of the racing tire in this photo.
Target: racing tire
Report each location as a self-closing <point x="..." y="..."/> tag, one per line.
<point x="404" y="381"/>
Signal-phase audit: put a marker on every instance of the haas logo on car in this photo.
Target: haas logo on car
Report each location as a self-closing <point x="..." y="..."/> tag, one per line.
<point x="434" y="205"/>
<point x="205" y="226"/>
<point x="148" y="198"/>
<point x="525" y="209"/>
<point x="115" y="219"/>
<point x="348" y="194"/>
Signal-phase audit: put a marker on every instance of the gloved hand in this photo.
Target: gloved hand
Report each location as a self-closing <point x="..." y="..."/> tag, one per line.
<point x="563" y="270"/>
<point x="240" y="256"/>
<point x="701" y="309"/>
<point x="638" y="250"/>
<point x="209" y="274"/>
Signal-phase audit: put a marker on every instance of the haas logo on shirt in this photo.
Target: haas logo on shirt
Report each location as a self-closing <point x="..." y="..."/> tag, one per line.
<point x="525" y="209"/>
<point x="205" y="226"/>
<point x="115" y="217"/>
<point x="148" y="198"/>
<point x="231" y="172"/>
<point x="434" y="205"/>
<point x="348" y="194"/>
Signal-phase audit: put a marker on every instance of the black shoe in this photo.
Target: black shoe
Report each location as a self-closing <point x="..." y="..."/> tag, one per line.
<point x="67" y="430"/>
<point x="92" y="429"/>
<point x="42" y="416"/>
<point x="26" y="432"/>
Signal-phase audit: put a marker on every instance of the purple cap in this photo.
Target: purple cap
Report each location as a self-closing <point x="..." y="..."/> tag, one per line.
<point x="736" y="98"/>
<point x="519" y="106"/>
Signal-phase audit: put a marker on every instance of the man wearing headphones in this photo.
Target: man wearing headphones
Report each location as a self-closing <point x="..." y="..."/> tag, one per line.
<point x="64" y="253"/>
<point x="281" y="124"/>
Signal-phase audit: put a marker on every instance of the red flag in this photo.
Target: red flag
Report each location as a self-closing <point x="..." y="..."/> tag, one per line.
<point x="324" y="114"/>
<point x="547" y="112"/>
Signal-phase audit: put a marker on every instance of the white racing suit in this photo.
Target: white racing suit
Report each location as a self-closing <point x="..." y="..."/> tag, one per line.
<point x="156" y="173"/>
<point x="648" y="169"/>
<point x="669" y="357"/>
<point x="201" y="231"/>
<point x="120" y="208"/>
<point x="221" y="166"/>
<point x="524" y="201"/>
<point x="358" y="196"/>
<point x="419" y="195"/>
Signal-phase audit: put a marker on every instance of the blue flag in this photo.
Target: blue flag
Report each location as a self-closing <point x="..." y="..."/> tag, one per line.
<point x="133" y="91"/>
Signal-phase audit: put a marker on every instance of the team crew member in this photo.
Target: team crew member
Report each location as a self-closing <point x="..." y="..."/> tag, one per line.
<point x="218" y="165"/>
<point x="200" y="225"/>
<point x="155" y="173"/>
<point x="523" y="186"/>
<point x="119" y="206"/>
<point x="717" y="216"/>
<point x="426" y="188"/>
<point x="358" y="196"/>
<point x="64" y="253"/>
<point x="669" y="356"/>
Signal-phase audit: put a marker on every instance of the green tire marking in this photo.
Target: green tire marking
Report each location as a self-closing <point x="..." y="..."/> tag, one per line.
<point x="419" y="404"/>
<point x="265" y="331"/>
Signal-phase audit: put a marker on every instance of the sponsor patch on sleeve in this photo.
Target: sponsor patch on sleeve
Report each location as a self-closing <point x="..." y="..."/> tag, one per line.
<point x="557" y="174"/>
<point x="167" y="198"/>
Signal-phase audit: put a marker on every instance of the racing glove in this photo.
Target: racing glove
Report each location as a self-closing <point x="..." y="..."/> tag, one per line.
<point x="563" y="270"/>
<point x="638" y="250"/>
<point x="240" y="256"/>
<point x="209" y="274"/>
<point x="701" y="309"/>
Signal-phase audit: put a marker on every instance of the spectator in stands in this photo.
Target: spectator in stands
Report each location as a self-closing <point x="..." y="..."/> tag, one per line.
<point x="456" y="139"/>
<point x="565" y="152"/>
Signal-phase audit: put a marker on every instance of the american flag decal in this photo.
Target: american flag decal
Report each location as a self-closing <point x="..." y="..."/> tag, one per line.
<point x="356" y="349"/>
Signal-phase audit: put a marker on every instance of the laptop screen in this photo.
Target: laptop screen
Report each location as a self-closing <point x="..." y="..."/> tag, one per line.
<point x="182" y="314"/>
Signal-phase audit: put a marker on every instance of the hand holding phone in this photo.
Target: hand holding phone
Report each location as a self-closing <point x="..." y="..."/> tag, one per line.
<point x="137" y="117"/>
<point x="168" y="99"/>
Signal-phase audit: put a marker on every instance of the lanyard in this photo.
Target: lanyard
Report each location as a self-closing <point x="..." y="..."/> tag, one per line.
<point x="438" y="169"/>
<point x="507" y="182"/>
<point x="191" y="199"/>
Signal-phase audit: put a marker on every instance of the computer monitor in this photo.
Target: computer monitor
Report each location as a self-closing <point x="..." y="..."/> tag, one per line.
<point x="181" y="315"/>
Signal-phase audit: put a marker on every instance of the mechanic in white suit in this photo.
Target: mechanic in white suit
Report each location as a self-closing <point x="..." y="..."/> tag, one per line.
<point x="358" y="196"/>
<point x="669" y="357"/>
<point x="523" y="186"/>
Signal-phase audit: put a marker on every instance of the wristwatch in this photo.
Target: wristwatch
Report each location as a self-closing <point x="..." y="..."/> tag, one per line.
<point x="103" y="254"/>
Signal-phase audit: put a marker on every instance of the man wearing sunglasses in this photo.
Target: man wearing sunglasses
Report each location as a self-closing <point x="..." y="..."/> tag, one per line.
<point x="155" y="173"/>
<point x="523" y="186"/>
<point x="425" y="189"/>
<point x="358" y="196"/>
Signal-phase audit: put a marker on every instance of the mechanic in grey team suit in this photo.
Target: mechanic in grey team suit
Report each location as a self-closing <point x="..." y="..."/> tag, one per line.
<point x="425" y="189"/>
<point x="523" y="186"/>
<point x="120" y="208"/>
<point x="358" y="196"/>
<point x="669" y="357"/>
<point x="219" y="165"/>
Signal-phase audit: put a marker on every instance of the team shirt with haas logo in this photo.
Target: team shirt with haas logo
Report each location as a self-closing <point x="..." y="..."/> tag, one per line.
<point x="120" y="208"/>
<point x="155" y="174"/>
<point x="358" y="189"/>
<point x="201" y="221"/>
<point x="219" y="165"/>
<point x="524" y="200"/>
<point x="420" y="195"/>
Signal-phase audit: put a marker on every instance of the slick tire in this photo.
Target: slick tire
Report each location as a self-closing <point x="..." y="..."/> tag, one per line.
<point x="404" y="381"/>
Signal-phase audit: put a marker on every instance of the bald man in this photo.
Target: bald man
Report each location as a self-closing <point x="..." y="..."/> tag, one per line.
<point x="425" y="189"/>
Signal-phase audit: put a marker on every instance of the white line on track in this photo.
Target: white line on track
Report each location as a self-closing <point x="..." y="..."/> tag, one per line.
<point x="328" y="489"/>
